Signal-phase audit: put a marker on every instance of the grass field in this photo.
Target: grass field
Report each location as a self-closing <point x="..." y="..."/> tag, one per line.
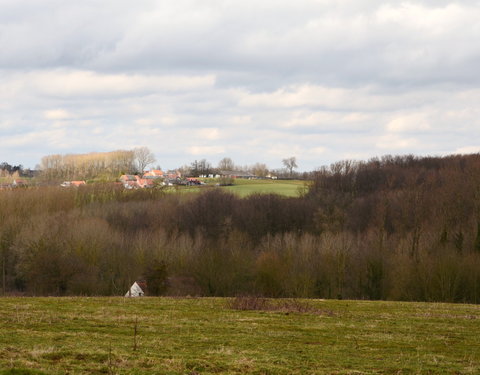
<point x="244" y="187"/>
<point x="289" y="188"/>
<point x="206" y="336"/>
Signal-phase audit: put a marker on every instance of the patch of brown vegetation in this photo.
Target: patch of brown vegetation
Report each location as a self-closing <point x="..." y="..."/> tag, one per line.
<point x="281" y="305"/>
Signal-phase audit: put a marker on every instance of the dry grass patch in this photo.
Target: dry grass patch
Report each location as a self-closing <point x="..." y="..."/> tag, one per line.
<point x="281" y="305"/>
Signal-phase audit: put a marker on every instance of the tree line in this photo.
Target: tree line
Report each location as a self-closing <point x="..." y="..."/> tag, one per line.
<point x="14" y="171"/>
<point x="203" y="167"/>
<point x="95" y="165"/>
<point x="108" y="166"/>
<point x="396" y="227"/>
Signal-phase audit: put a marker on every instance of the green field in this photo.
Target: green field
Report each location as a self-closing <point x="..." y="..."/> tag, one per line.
<point x="206" y="336"/>
<point x="289" y="188"/>
<point x="244" y="187"/>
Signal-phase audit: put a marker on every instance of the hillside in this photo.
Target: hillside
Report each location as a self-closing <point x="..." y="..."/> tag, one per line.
<point x="396" y="228"/>
<point x="206" y="336"/>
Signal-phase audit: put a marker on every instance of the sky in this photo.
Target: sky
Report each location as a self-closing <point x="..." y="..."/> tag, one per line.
<point x="255" y="81"/>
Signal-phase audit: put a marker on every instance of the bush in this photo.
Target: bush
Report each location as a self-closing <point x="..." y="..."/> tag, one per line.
<point x="156" y="277"/>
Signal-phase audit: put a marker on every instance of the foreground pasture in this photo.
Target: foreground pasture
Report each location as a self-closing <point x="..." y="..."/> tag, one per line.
<point x="208" y="336"/>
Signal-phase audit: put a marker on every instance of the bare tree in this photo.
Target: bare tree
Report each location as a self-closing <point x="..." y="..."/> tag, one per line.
<point x="290" y="164"/>
<point x="200" y="168"/>
<point x="226" y="164"/>
<point x="259" y="169"/>
<point x="143" y="157"/>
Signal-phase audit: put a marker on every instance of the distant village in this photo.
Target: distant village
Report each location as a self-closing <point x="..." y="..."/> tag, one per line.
<point x="149" y="179"/>
<point x="129" y="168"/>
<point x="157" y="177"/>
<point x="14" y="176"/>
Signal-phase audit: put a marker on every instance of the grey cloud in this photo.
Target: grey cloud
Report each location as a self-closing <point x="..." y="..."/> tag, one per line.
<point x="345" y="43"/>
<point x="256" y="81"/>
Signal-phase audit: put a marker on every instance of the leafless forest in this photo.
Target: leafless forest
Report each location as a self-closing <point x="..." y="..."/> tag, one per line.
<point x="399" y="228"/>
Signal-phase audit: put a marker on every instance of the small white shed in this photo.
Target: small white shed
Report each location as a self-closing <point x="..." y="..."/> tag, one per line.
<point x="135" y="291"/>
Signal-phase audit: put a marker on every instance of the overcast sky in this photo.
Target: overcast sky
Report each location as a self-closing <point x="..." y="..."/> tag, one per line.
<point x="256" y="81"/>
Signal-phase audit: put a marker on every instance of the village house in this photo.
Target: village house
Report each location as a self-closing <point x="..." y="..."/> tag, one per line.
<point x="73" y="183"/>
<point x="18" y="183"/>
<point x="173" y="174"/>
<point x="236" y="174"/>
<point x="145" y="182"/>
<point x="150" y="179"/>
<point x="129" y="181"/>
<point x="194" y="181"/>
<point x="154" y="173"/>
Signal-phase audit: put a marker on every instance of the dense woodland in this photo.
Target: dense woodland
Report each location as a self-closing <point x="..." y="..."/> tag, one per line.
<point x="402" y="228"/>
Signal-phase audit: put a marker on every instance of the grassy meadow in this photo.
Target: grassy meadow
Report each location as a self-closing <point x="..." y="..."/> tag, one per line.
<point x="288" y="188"/>
<point x="207" y="336"/>
<point x="245" y="187"/>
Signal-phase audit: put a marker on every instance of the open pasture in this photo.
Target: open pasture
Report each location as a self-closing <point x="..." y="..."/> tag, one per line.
<point x="208" y="336"/>
<point x="288" y="188"/>
<point x="244" y="187"/>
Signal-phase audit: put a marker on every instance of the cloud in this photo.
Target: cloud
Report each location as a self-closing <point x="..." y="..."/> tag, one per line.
<point x="468" y="150"/>
<point x="208" y="134"/>
<point x="255" y="81"/>
<point x="396" y="143"/>
<point x="57" y="114"/>
<point x="205" y="150"/>
<point x="79" y="83"/>
<point x="410" y="122"/>
<point x="320" y="41"/>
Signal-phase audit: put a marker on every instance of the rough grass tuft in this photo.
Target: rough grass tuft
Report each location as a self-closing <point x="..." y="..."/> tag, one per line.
<point x="248" y="303"/>
<point x="20" y="371"/>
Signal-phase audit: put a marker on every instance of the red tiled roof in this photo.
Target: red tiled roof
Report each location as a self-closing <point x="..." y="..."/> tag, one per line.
<point x="77" y="183"/>
<point x="154" y="172"/>
<point x="128" y="177"/>
<point x="144" y="182"/>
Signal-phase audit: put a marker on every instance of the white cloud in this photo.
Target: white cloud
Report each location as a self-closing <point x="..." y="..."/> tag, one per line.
<point x="468" y="150"/>
<point x="395" y="143"/>
<point x="54" y="138"/>
<point x="80" y="83"/>
<point x="209" y="134"/>
<point x="409" y="122"/>
<point x="144" y="122"/>
<point x="57" y="114"/>
<point x="241" y="120"/>
<point x="255" y="81"/>
<point x="205" y="150"/>
<point x="317" y="150"/>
